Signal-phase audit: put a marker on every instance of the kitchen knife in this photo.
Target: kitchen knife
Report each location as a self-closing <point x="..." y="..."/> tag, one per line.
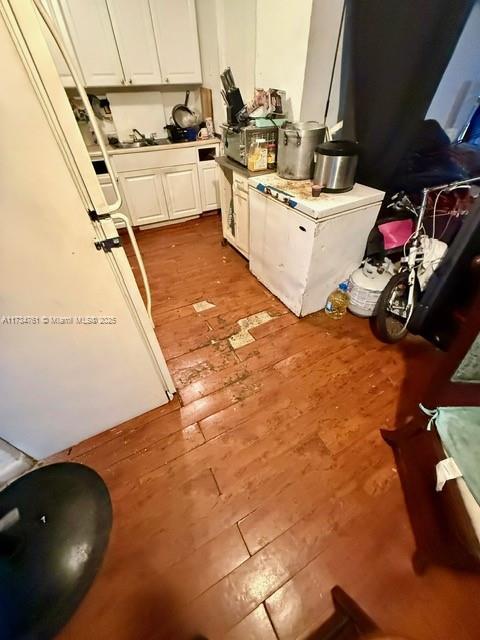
<point x="224" y="80"/>
<point x="229" y="77"/>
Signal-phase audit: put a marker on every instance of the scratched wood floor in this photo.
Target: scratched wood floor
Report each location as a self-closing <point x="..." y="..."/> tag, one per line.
<point x="265" y="482"/>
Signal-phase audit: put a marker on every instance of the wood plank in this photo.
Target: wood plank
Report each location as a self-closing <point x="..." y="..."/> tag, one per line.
<point x="336" y="477"/>
<point x="265" y="480"/>
<point x="256" y="626"/>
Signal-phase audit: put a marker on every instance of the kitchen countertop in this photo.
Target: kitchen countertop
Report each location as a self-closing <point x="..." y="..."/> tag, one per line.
<point x="227" y="163"/>
<point x="94" y="149"/>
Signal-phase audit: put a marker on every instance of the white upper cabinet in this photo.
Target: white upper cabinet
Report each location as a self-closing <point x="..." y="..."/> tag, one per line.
<point x="175" y="25"/>
<point x="91" y="32"/>
<point x="129" y="42"/>
<point x="57" y="19"/>
<point x="133" y="28"/>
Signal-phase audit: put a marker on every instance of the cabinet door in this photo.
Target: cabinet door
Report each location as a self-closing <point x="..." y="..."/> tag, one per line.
<point x="133" y="28"/>
<point x="144" y="195"/>
<point x="175" y="25"/>
<point x="242" y="222"/>
<point x="53" y="11"/>
<point x="91" y="32"/>
<point x="209" y="189"/>
<point x="182" y="191"/>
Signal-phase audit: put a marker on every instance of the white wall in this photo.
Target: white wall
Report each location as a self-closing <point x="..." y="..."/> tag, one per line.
<point x="208" y="38"/>
<point x="460" y="85"/>
<point x="283" y="44"/>
<point x="237" y="33"/>
<point x="324" y="26"/>
<point x="147" y="111"/>
<point x="226" y="31"/>
<point x="283" y="28"/>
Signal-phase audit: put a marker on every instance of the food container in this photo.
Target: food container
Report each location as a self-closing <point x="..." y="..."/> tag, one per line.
<point x="257" y="155"/>
<point x="296" y="147"/>
<point x="336" y="163"/>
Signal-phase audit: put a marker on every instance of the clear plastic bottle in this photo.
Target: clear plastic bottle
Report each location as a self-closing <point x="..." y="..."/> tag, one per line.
<point x="337" y="302"/>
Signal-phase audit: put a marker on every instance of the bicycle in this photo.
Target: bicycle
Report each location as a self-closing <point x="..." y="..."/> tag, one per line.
<point x="397" y="301"/>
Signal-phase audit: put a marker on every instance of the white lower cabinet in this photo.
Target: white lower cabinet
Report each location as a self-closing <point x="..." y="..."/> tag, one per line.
<point x="235" y="209"/>
<point x="159" y="195"/>
<point x="209" y="187"/>
<point x="242" y="221"/>
<point x="145" y="197"/>
<point x="182" y="191"/>
<point x="162" y="184"/>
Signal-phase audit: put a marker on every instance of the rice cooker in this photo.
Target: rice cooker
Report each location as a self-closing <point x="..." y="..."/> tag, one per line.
<point x="335" y="165"/>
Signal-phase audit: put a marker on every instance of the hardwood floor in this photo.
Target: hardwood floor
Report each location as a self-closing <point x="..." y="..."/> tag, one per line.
<point x="265" y="482"/>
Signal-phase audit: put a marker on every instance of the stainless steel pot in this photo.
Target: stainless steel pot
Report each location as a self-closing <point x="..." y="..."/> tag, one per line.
<point x="296" y="147"/>
<point x="336" y="163"/>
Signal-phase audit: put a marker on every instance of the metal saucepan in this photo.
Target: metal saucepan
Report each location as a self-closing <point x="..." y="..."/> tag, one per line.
<point x="182" y="115"/>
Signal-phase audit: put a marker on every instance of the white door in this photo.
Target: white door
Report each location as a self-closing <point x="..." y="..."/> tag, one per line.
<point x="90" y="29"/>
<point x="61" y="381"/>
<point x="175" y="25"/>
<point x="132" y="24"/>
<point x="209" y="188"/>
<point x="182" y="191"/>
<point x="144" y="195"/>
<point x="242" y="223"/>
<point x="281" y="244"/>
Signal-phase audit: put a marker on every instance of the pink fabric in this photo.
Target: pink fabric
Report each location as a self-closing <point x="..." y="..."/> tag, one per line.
<point x="395" y="233"/>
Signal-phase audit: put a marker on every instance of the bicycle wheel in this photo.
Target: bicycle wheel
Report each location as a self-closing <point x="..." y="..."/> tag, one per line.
<point x="391" y="312"/>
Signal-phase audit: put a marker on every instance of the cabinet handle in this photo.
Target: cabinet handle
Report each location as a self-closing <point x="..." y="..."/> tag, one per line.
<point x="130" y="81"/>
<point x="122" y="81"/>
<point x="167" y="80"/>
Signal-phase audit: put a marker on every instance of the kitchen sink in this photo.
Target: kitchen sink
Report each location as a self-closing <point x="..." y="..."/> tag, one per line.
<point x="130" y="145"/>
<point x="135" y="144"/>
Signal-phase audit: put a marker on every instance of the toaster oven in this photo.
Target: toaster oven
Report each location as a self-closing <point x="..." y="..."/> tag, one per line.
<point x="237" y="140"/>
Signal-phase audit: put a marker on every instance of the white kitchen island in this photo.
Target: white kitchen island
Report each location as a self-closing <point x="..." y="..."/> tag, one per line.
<point x="302" y="247"/>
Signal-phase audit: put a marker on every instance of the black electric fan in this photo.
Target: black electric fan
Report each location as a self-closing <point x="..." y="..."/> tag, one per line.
<point x="55" y="524"/>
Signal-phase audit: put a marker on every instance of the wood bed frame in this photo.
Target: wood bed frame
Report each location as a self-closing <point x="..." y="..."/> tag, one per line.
<point x="442" y="528"/>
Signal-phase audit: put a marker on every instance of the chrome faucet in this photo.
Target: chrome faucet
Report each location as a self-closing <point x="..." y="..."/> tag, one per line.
<point x="142" y="136"/>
